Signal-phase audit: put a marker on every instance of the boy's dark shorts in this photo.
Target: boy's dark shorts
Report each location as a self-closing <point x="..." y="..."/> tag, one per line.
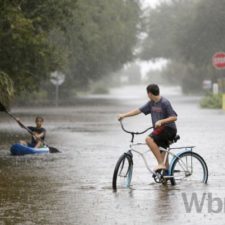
<point x="163" y="135"/>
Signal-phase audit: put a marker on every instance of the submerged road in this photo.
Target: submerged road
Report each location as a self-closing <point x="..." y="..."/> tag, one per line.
<point x="74" y="187"/>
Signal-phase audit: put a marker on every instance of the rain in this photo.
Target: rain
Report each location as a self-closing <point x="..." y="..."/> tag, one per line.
<point x="83" y="65"/>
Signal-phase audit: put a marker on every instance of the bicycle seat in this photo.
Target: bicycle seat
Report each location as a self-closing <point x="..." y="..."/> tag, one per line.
<point x="176" y="138"/>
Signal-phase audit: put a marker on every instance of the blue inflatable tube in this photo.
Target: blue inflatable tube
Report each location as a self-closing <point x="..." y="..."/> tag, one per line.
<point x="18" y="149"/>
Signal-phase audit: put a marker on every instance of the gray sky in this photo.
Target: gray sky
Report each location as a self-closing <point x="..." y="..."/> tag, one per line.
<point x="149" y="65"/>
<point x="151" y="3"/>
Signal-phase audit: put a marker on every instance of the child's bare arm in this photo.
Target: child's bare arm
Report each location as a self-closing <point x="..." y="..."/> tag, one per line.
<point x="133" y="112"/>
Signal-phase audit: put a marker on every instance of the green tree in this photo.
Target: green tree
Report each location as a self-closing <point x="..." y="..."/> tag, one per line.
<point x="188" y="33"/>
<point x="7" y="89"/>
<point x="27" y="55"/>
<point x="206" y="34"/>
<point x="101" y="39"/>
<point x="85" y="39"/>
<point x="166" y="25"/>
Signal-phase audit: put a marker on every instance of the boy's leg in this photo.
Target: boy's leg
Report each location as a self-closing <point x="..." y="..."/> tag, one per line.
<point x="38" y="145"/>
<point x="155" y="150"/>
<point x="22" y="142"/>
<point x="165" y="137"/>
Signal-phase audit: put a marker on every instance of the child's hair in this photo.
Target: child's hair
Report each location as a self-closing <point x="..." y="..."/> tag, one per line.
<point x="39" y="118"/>
<point x="154" y="89"/>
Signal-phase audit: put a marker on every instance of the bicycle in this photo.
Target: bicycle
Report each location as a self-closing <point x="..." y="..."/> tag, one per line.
<point x="185" y="164"/>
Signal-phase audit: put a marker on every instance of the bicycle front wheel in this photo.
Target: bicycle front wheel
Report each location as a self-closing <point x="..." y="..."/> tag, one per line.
<point x="191" y="167"/>
<point x="123" y="172"/>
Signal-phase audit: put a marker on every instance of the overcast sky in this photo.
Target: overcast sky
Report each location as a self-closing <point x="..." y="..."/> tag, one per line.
<point x="151" y="3"/>
<point x="149" y="65"/>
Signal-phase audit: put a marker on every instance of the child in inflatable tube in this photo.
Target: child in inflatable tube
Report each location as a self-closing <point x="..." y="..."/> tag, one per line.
<point x="38" y="136"/>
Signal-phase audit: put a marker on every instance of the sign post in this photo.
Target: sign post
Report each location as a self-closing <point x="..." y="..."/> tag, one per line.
<point x="218" y="61"/>
<point x="57" y="79"/>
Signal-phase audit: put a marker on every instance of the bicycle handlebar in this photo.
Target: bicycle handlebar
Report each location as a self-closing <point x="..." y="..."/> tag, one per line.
<point x="133" y="133"/>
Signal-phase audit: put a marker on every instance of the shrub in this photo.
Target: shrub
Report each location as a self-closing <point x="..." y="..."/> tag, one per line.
<point x="212" y="101"/>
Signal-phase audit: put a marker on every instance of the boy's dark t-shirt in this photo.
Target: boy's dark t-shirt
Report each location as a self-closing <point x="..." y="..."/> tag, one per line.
<point x="38" y="131"/>
<point x="159" y="110"/>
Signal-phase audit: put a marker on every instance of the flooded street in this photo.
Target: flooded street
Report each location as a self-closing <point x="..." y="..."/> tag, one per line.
<point x="74" y="187"/>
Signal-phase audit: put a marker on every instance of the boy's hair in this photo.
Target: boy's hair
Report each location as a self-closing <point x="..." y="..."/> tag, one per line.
<point x="39" y="118"/>
<point x="153" y="89"/>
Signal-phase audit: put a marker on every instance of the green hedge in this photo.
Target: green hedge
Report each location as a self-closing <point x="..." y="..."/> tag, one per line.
<point x="212" y="101"/>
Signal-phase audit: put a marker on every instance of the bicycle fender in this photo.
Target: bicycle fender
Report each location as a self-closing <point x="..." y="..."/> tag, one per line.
<point x="177" y="156"/>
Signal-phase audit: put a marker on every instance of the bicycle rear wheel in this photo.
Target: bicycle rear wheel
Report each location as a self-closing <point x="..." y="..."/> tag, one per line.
<point x="189" y="166"/>
<point x="123" y="172"/>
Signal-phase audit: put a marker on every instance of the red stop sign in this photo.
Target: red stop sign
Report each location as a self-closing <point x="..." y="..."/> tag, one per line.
<point x="218" y="60"/>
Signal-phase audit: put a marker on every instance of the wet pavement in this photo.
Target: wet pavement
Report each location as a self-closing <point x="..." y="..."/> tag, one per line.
<point x="74" y="187"/>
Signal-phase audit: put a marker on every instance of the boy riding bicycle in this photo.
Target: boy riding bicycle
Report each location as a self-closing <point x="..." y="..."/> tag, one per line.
<point x="163" y="121"/>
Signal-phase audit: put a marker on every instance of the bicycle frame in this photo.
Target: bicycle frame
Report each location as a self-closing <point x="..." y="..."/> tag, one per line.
<point x="180" y="167"/>
<point x="167" y="151"/>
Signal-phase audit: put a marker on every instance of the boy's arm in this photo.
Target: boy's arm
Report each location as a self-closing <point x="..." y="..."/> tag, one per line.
<point x="39" y="136"/>
<point x="128" y="114"/>
<point x="170" y="119"/>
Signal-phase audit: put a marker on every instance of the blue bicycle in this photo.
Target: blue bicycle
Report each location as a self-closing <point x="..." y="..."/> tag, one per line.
<point x="184" y="165"/>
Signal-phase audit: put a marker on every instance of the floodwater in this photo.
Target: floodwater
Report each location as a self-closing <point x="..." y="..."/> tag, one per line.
<point x="74" y="187"/>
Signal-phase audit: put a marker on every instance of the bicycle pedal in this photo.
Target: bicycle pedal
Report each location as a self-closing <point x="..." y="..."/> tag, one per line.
<point x="167" y="177"/>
